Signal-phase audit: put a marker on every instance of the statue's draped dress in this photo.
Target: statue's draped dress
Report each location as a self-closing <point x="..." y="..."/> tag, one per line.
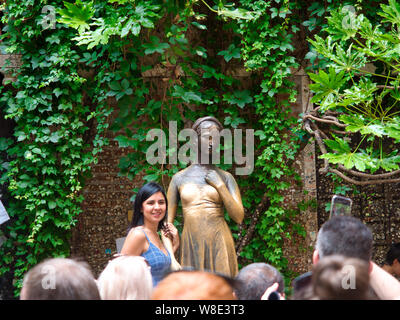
<point x="206" y="241"/>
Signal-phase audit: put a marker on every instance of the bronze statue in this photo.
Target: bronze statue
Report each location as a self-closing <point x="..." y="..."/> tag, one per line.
<point x="204" y="191"/>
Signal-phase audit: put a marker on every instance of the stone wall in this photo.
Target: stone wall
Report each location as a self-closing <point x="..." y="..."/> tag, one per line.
<point x="106" y="209"/>
<point x="378" y="206"/>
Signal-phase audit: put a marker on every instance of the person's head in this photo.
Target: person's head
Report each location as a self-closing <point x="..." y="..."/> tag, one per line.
<point x="150" y="203"/>
<point x="126" y="278"/>
<point x="338" y="277"/>
<point x="393" y="258"/>
<point x="344" y="235"/>
<point x="194" y="285"/>
<point x="255" y="278"/>
<point x="60" y="279"/>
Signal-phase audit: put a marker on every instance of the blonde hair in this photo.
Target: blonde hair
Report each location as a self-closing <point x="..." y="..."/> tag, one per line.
<point x="126" y="278"/>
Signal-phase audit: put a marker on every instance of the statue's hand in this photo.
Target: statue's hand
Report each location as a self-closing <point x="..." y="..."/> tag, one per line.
<point x="214" y="179"/>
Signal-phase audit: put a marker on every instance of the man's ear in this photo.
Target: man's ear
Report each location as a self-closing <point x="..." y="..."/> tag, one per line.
<point x="315" y="257"/>
<point x="370" y="267"/>
<point x="234" y="294"/>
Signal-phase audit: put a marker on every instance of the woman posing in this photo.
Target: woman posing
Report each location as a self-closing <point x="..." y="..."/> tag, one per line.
<point x="149" y="217"/>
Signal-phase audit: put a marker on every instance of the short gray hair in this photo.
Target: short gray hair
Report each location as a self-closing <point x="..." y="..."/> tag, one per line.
<point x="255" y="278"/>
<point x="346" y="236"/>
<point x="60" y="279"/>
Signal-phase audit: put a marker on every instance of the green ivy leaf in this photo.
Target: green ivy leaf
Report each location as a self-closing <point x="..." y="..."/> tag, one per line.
<point x="238" y="13"/>
<point x="240" y="98"/>
<point x="52" y="204"/>
<point x="155" y="46"/>
<point x="5" y="143"/>
<point x="132" y="26"/>
<point x="188" y="96"/>
<point x="199" y="26"/>
<point x="231" y="52"/>
<point x="151" y="177"/>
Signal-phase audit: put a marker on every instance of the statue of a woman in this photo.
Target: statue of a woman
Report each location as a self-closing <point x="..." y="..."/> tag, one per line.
<point x="204" y="190"/>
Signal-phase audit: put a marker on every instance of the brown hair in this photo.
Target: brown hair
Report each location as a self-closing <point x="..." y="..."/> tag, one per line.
<point x="193" y="285"/>
<point x="340" y="278"/>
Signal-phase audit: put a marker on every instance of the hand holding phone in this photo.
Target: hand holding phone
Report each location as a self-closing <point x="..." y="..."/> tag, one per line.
<point x="340" y="206"/>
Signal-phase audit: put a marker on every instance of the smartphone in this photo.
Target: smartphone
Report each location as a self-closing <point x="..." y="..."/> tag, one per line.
<point x="340" y="206"/>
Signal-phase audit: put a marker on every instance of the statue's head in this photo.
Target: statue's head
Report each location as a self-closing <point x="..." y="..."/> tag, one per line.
<point x="206" y="128"/>
<point x="206" y="122"/>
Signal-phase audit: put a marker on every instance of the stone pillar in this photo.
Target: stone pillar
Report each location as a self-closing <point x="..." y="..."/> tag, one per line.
<point x="309" y="168"/>
<point x="302" y="195"/>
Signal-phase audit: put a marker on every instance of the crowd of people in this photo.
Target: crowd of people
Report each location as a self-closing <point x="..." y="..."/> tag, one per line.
<point x="342" y="267"/>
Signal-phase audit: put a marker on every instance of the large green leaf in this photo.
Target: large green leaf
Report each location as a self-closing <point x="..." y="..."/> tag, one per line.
<point x="392" y="129"/>
<point x="350" y="160"/>
<point x="326" y="84"/>
<point x="76" y="15"/>
<point x="391" y="12"/>
<point x="338" y="145"/>
<point x="388" y="163"/>
<point x="357" y="123"/>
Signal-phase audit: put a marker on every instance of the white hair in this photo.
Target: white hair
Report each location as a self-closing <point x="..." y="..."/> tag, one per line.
<point x="126" y="278"/>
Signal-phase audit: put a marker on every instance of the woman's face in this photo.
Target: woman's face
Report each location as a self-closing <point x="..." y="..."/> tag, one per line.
<point x="154" y="208"/>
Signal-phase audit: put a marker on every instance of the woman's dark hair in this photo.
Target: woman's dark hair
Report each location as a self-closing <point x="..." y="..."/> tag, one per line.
<point x="393" y="253"/>
<point x="143" y="194"/>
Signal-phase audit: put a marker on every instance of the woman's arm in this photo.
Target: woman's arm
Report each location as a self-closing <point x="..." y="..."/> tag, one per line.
<point x="384" y="284"/>
<point x="135" y="243"/>
<point x="229" y="193"/>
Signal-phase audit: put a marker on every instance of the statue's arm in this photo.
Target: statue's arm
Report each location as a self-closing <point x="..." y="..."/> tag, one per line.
<point x="229" y="193"/>
<point x="173" y="198"/>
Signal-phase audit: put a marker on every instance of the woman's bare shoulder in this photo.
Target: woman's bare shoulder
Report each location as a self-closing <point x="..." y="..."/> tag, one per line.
<point x="135" y="242"/>
<point x="137" y="233"/>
